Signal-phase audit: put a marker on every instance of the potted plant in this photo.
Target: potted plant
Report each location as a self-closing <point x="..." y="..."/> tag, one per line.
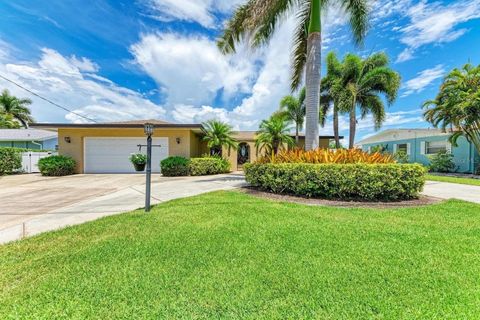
<point x="139" y="160"/>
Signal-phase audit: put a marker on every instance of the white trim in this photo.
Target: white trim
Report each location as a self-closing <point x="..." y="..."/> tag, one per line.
<point x="395" y="147"/>
<point x="423" y="147"/>
<point x="448" y="147"/>
<point x="402" y="134"/>
<point x="409" y="148"/>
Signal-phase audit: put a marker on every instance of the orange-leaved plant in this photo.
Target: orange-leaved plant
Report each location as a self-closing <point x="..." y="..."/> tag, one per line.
<point x="340" y="156"/>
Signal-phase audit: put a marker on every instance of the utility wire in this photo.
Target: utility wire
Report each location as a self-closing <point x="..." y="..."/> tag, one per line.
<point x="47" y="100"/>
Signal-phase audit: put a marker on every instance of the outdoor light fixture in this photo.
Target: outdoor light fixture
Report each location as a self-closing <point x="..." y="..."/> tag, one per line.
<point x="67" y="139"/>
<point x="148" y="129"/>
<point x="178" y="140"/>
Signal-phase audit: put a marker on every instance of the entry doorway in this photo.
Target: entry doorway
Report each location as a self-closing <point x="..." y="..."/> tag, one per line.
<point x="243" y="154"/>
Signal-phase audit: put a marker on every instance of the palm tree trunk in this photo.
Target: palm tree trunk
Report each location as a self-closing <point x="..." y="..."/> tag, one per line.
<point x="296" y="134"/>
<point x="312" y="76"/>
<point x="335" y="127"/>
<point x="353" y="126"/>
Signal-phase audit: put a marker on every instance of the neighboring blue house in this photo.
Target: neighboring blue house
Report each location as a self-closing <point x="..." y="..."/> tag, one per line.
<point x="419" y="144"/>
<point x="29" y="138"/>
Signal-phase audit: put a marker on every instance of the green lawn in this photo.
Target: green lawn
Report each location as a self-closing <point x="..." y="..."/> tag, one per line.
<point x="231" y="255"/>
<point x="470" y="181"/>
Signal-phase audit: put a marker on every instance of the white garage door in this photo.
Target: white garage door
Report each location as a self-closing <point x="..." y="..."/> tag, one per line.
<point x="110" y="155"/>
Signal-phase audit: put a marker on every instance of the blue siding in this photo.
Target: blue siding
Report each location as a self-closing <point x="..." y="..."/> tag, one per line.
<point x="39" y="145"/>
<point x="464" y="154"/>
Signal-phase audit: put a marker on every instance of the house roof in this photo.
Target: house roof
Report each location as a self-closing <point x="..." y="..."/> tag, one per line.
<point x="401" y="134"/>
<point x="250" y="135"/>
<point x="29" y="134"/>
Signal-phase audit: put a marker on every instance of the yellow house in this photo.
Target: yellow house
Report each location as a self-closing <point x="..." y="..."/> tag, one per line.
<point x="106" y="147"/>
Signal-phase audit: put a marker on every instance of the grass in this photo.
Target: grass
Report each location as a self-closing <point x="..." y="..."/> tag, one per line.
<point x="469" y="181"/>
<point x="231" y="255"/>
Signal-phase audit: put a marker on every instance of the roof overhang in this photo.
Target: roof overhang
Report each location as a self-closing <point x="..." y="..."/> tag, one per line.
<point x="56" y="126"/>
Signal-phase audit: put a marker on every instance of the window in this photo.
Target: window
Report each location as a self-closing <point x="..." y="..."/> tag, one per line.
<point x="434" y="147"/>
<point x="403" y="147"/>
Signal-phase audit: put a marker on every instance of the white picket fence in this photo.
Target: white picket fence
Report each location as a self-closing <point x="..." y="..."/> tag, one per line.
<point x="30" y="160"/>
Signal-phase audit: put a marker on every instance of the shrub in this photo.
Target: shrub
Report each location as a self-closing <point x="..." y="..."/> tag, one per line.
<point x="208" y="165"/>
<point x="10" y="160"/>
<point x="174" y="166"/>
<point x="327" y="156"/>
<point x="442" y="162"/>
<point x="56" y="166"/>
<point x="401" y="157"/>
<point x="371" y="182"/>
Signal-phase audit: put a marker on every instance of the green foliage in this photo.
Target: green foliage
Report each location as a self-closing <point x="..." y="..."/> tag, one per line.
<point x="442" y="162"/>
<point x="401" y="157"/>
<point x="457" y="105"/>
<point x="25" y="149"/>
<point x="12" y="107"/>
<point x="8" y="122"/>
<point x="339" y="181"/>
<point x="208" y="165"/>
<point x="218" y="134"/>
<point x="380" y="148"/>
<point x="293" y="110"/>
<point x="10" y="160"/>
<point x="174" y="166"/>
<point x="56" y="166"/>
<point x="138" y="158"/>
<point x="274" y="134"/>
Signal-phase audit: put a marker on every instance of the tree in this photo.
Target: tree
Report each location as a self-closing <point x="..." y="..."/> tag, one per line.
<point x="362" y="84"/>
<point x="16" y="108"/>
<point x="457" y="105"/>
<point x="218" y="134"/>
<point x="258" y="19"/>
<point x="329" y="91"/>
<point x="274" y="134"/>
<point x="293" y="110"/>
<point x="7" y="122"/>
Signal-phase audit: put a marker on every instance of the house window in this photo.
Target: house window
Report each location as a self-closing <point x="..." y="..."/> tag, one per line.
<point x="434" y="147"/>
<point x="402" y="147"/>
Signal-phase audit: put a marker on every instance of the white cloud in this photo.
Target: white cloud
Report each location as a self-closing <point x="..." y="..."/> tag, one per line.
<point x="200" y="11"/>
<point x="62" y="80"/>
<point x="433" y="23"/>
<point x="423" y="79"/>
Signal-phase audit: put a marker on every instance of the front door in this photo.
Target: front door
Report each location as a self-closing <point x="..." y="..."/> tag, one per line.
<point x="243" y="154"/>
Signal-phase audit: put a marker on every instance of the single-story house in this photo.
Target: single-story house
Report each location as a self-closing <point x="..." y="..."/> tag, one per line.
<point x="420" y="144"/>
<point x="105" y="147"/>
<point x="29" y="138"/>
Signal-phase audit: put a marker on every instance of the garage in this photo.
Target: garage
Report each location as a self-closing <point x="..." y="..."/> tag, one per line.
<point x="110" y="154"/>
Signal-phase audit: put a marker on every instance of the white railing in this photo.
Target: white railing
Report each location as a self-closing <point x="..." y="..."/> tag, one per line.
<point x="30" y="160"/>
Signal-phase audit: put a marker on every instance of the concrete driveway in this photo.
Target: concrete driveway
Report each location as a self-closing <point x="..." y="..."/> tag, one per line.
<point x="31" y="204"/>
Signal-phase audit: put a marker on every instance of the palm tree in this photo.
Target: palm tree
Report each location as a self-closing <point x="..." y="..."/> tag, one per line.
<point x="7" y="122"/>
<point x="16" y="108"/>
<point x="329" y="89"/>
<point x="362" y="83"/>
<point x="257" y="20"/>
<point x="218" y="134"/>
<point x="457" y="105"/>
<point x="273" y="135"/>
<point x="293" y="110"/>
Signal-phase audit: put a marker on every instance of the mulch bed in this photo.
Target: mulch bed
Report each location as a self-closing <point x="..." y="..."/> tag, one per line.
<point x="421" y="201"/>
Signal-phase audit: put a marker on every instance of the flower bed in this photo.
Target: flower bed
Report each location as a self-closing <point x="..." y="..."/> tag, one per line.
<point x="355" y="181"/>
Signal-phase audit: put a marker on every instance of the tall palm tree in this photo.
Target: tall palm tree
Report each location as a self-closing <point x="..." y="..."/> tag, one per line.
<point x="273" y="135"/>
<point x="363" y="82"/>
<point x="329" y="91"/>
<point x="218" y="134"/>
<point x="16" y="108"/>
<point x="457" y="105"/>
<point x="293" y="110"/>
<point x="7" y="122"/>
<point x="258" y="19"/>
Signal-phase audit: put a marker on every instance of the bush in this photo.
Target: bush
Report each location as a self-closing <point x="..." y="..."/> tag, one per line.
<point x="56" y="166"/>
<point x="208" y="165"/>
<point x="174" y="166"/>
<point x="328" y="156"/>
<point x="10" y="160"/>
<point x="371" y="182"/>
<point x="442" y="162"/>
<point x="401" y="157"/>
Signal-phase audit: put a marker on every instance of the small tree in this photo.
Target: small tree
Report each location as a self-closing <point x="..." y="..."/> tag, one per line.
<point x="442" y="162"/>
<point x="218" y="134"/>
<point x="401" y="157"/>
<point x="15" y="108"/>
<point x="294" y="111"/>
<point x="273" y="135"/>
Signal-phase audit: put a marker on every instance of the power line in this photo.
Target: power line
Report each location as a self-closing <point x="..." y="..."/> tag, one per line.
<point x="47" y="100"/>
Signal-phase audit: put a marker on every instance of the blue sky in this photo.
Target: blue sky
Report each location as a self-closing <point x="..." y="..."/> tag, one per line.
<point x="121" y="60"/>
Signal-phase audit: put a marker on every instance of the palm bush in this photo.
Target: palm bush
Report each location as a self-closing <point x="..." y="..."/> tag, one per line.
<point x="442" y="162"/>
<point x="218" y="134"/>
<point x="293" y="110"/>
<point x="274" y="135"/>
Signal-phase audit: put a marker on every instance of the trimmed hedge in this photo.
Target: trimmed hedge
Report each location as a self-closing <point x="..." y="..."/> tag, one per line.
<point x="174" y="166"/>
<point x="56" y="166"/>
<point x="10" y="160"/>
<point x="208" y="165"/>
<point x="372" y="182"/>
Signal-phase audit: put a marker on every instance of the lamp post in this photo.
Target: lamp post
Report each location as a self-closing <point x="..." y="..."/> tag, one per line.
<point x="148" y="128"/>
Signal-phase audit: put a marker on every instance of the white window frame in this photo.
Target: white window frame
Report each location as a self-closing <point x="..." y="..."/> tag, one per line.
<point x="426" y="146"/>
